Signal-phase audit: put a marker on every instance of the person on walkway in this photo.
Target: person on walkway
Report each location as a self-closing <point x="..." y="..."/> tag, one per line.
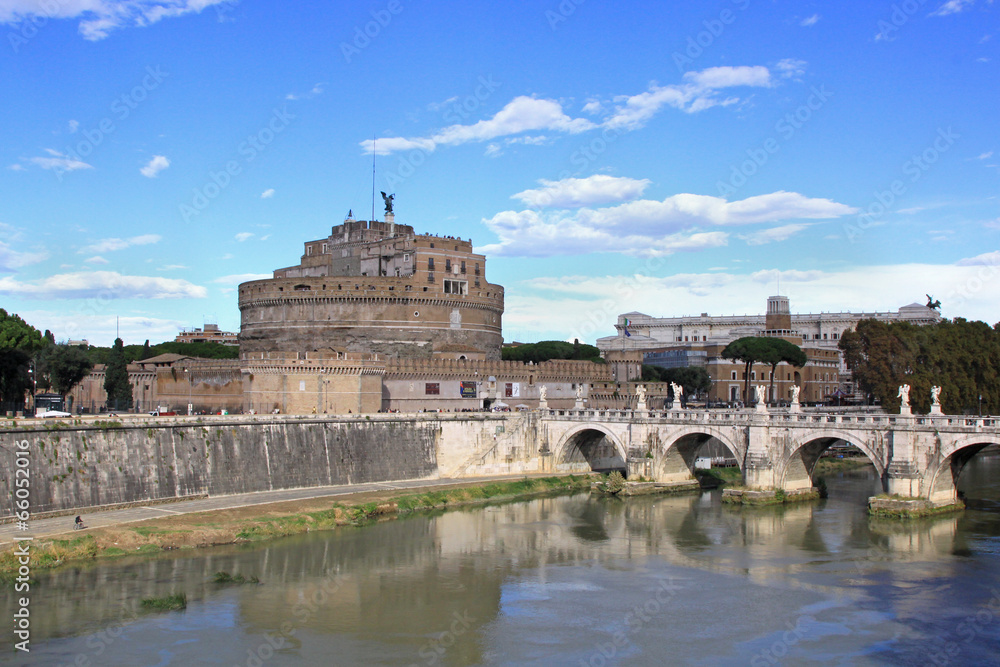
<point x="79" y="523"/>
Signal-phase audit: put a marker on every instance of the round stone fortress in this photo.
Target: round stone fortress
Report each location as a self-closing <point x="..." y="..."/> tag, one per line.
<point x="378" y="288"/>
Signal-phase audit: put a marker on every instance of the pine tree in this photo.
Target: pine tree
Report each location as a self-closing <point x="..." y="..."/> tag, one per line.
<point x="116" y="383"/>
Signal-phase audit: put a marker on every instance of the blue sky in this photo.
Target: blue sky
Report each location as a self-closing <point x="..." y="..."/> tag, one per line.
<point x="667" y="158"/>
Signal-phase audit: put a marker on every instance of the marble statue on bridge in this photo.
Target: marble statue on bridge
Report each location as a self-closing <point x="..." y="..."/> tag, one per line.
<point x="904" y="399"/>
<point x="795" y="406"/>
<point x="936" y="401"/>
<point x="640" y="393"/>
<point x="760" y="396"/>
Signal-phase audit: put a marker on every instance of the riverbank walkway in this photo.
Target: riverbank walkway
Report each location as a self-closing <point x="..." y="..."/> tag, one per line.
<point x="59" y="525"/>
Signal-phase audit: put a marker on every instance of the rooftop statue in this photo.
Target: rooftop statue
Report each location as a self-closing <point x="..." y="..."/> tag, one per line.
<point x="388" y="202"/>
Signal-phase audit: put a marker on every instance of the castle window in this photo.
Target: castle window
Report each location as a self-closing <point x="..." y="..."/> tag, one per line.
<point x="432" y="245"/>
<point x="456" y="286"/>
<point x="406" y="258"/>
<point x="477" y="282"/>
<point x="302" y="288"/>
<point x="447" y="265"/>
<point x="463" y="267"/>
<point x="824" y="336"/>
<point x="430" y="264"/>
<point x="309" y="250"/>
<point x="325" y="248"/>
<point x="409" y="288"/>
<point x="430" y="279"/>
<point x="733" y="375"/>
<point x="432" y="388"/>
<point x="477" y="268"/>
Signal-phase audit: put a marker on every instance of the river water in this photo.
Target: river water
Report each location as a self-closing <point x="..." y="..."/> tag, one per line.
<point x="571" y="580"/>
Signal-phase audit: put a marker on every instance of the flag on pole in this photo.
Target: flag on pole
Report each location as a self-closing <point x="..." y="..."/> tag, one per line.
<point x="628" y="323"/>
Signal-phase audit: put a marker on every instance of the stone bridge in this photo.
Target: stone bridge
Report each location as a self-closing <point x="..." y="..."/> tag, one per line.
<point x="916" y="456"/>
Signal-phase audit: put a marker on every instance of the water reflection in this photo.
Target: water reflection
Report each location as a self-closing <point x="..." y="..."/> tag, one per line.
<point x="551" y="581"/>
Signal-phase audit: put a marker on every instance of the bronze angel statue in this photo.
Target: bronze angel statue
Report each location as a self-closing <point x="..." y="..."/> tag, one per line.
<point x="388" y="202"/>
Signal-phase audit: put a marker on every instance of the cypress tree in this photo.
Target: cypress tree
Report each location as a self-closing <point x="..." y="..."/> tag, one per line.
<point x="116" y="383"/>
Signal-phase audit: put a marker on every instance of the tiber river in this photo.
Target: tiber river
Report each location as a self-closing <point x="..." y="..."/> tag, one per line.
<point x="572" y="580"/>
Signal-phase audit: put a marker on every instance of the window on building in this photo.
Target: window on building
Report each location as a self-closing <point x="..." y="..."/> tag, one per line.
<point x="685" y="339"/>
<point x="753" y="375"/>
<point x="508" y="390"/>
<point x="406" y="258"/>
<point x="824" y="336"/>
<point x="430" y="264"/>
<point x="836" y="336"/>
<point x="324" y="248"/>
<point x="704" y="338"/>
<point x="477" y="268"/>
<point x="309" y="250"/>
<point x="432" y="245"/>
<point x="733" y="375"/>
<point x="456" y="286"/>
<point x="430" y="279"/>
<point x="432" y="388"/>
<point x="462" y="267"/>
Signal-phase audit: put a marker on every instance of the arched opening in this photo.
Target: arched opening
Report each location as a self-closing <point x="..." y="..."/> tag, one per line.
<point x="840" y="469"/>
<point x="592" y="450"/>
<point x="700" y="456"/>
<point x="970" y="471"/>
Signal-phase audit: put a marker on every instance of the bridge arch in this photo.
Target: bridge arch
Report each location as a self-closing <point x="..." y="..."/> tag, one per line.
<point x="674" y="460"/>
<point x="941" y="479"/>
<point x="590" y="447"/>
<point x="796" y="470"/>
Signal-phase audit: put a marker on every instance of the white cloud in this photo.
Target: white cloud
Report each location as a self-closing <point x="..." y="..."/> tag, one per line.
<point x="589" y="305"/>
<point x="522" y="114"/>
<point x="103" y="285"/>
<point x="267" y="194"/>
<point x="773" y="234"/>
<point x="16" y="167"/>
<point x="74" y="125"/>
<point x="155" y="166"/>
<point x="577" y="192"/>
<point x="96" y="259"/>
<point x="102" y="329"/>
<point x="98" y="18"/>
<point x="493" y="150"/>
<point x="172" y="267"/>
<point x="59" y="162"/>
<point x="648" y="227"/>
<point x="986" y="259"/>
<point x="244" y="236"/>
<point x="697" y="93"/>
<point x="11" y="260"/>
<point x="108" y="245"/>
<point x="810" y="21"/>
<point x="953" y="7"/>
<point x="790" y="68"/>
<point x="985" y="156"/>
<point x="237" y="278"/>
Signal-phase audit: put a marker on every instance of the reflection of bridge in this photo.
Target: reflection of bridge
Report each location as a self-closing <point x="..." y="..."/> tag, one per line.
<point x="916" y="456"/>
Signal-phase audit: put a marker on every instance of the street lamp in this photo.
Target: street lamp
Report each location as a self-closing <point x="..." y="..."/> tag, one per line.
<point x="980" y="405"/>
<point x="187" y="374"/>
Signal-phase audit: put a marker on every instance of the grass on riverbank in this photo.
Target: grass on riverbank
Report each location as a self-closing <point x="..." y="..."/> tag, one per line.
<point x="166" y="603"/>
<point x="257" y="523"/>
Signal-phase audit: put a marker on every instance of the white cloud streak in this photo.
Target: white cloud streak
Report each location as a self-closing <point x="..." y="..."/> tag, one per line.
<point x="649" y="227"/>
<point x="112" y="244"/>
<point x="577" y="192"/>
<point x="155" y="166"/>
<point x="102" y="284"/>
<point x="99" y="18"/>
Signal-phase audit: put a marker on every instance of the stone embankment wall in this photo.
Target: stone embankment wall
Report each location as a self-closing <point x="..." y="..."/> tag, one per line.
<point x="85" y="465"/>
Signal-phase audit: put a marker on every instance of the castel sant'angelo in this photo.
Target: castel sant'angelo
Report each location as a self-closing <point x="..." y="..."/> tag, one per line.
<point x="377" y="317"/>
<point x="377" y="288"/>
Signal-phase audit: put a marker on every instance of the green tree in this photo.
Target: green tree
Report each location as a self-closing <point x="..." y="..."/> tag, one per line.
<point x="694" y="379"/>
<point x="116" y="383"/>
<point x="61" y="367"/>
<point x="18" y="343"/>
<point x="749" y="350"/>
<point x="146" y="352"/>
<point x="551" y="349"/>
<point x="777" y="350"/>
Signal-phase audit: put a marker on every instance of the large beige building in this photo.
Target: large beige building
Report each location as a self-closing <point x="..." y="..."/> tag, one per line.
<point x="377" y="288"/>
